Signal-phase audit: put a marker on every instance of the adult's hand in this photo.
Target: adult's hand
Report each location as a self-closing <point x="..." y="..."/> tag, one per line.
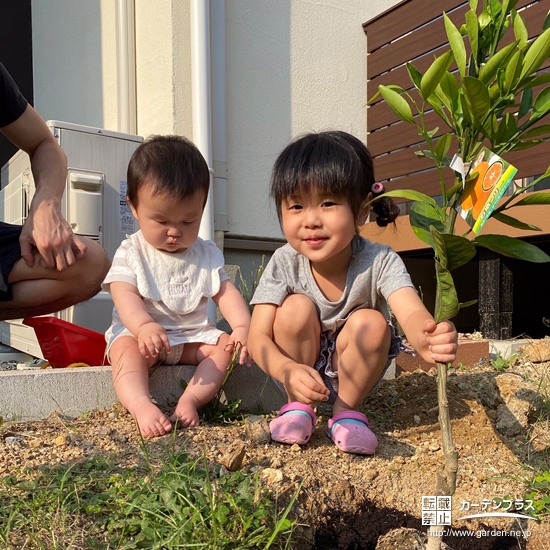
<point x="47" y="231"/>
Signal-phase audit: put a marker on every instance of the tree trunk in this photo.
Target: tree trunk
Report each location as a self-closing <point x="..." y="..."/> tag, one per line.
<point x="446" y="477"/>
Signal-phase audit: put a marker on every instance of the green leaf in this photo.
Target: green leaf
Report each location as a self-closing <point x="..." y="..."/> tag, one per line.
<point x="512" y="72"/>
<point x="513" y="222"/>
<point x="506" y="129"/>
<point x="414" y="74"/>
<point x="422" y="217"/>
<point x="448" y="88"/>
<point x="473" y="5"/>
<point x="472" y="28"/>
<point x="446" y="299"/>
<point x="443" y="145"/>
<point x="520" y="30"/>
<point x="490" y="127"/>
<point x="546" y="23"/>
<point x="537" y="80"/>
<point x="521" y="145"/>
<point x="533" y="198"/>
<point x="536" y="55"/>
<point x="467" y="304"/>
<point x="432" y="77"/>
<point x="499" y="59"/>
<point x="511" y="247"/>
<point x="410" y="195"/>
<point x="477" y="98"/>
<point x="437" y="105"/>
<point x="459" y="250"/>
<point x="457" y="44"/>
<point x="542" y="104"/>
<point x="536" y="131"/>
<point x="397" y="104"/>
<point x="526" y="102"/>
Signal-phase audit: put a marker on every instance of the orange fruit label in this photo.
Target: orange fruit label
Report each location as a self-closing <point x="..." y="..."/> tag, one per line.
<point x="492" y="175"/>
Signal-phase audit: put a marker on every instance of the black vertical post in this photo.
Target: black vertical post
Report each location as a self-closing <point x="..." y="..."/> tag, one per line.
<point x="496" y="285"/>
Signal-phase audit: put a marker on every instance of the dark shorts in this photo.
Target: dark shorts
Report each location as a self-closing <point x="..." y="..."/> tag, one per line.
<point x="10" y="252"/>
<point x="330" y="377"/>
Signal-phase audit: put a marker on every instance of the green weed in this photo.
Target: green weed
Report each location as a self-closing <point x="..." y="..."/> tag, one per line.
<point x="500" y="364"/>
<point x="179" y="504"/>
<point x="539" y="495"/>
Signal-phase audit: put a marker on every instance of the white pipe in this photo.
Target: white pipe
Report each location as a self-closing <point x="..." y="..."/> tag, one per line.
<point x="202" y="99"/>
<point x="126" y="66"/>
<point x="219" y="123"/>
<point x="201" y="103"/>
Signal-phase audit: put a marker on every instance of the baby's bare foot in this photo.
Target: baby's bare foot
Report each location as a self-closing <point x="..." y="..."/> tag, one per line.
<point x="150" y="419"/>
<point x="186" y="414"/>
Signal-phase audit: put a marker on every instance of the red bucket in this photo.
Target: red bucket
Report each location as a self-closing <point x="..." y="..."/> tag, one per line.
<point x="64" y="344"/>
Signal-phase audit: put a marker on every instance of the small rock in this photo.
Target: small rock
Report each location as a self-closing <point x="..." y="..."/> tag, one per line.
<point x="11" y="440"/>
<point x="434" y="447"/>
<point x="35" y="443"/>
<point x="272" y="476"/>
<point x="537" y="351"/>
<point x="257" y="429"/>
<point x="62" y="440"/>
<point x="370" y="474"/>
<point x="416" y="419"/>
<point x="232" y="457"/>
<point x="295" y="448"/>
<point x="507" y="423"/>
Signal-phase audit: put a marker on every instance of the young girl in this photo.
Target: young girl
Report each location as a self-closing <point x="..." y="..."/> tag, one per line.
<point x="320" y="324"/>
<point x="160" y="281"/>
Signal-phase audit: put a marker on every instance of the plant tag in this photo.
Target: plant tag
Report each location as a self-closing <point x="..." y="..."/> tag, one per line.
<point x="457" y="164"/>
<point x="487" y="181"/>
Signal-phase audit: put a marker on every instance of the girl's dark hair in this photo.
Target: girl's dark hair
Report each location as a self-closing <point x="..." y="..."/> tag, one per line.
<point x="172" y="164"/>
<point x="333" y="162"/>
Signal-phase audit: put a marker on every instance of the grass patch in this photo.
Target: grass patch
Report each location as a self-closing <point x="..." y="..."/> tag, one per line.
<point x="97" y="504"/>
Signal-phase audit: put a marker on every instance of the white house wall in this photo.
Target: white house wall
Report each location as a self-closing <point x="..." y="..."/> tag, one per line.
<point x="292" y="66"/>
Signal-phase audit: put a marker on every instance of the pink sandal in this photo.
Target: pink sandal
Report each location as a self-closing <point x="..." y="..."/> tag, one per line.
<point x="295" y="424"/>
<point x="350" y="433"/>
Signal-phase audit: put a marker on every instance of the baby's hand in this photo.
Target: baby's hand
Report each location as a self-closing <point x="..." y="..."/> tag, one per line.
<point x="152" y="339"/>
<point x="240" y="334"/>
<point x="442" y="340"/>
<point x="305" y="384"/>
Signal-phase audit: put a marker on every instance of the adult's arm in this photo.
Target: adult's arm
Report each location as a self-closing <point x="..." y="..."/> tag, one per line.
<point x="45" y="227"/>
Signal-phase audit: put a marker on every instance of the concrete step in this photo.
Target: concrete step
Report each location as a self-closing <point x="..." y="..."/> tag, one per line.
<point x="35" y="394"/>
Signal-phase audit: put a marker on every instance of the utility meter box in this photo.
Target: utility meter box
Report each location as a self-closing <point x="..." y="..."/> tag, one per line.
<point x="93" y="204"/>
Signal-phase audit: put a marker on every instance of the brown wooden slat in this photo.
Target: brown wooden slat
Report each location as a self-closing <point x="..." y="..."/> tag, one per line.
<point x="400" y="135"/>
<point x="530" y="162"/>
<point x="417" y="43"/>
<point x="534" y="15"/>
<point x="400" y="163"/>
<point x="403" y="18"/>
<point x="425" y="182"/>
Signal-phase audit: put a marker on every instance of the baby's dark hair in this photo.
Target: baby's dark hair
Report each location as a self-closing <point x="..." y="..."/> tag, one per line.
<point x="332" y="162"/>
<point x="172" y="164"/>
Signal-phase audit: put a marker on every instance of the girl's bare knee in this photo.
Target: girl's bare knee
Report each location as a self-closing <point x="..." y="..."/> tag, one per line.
<point x="368" y="327"/>
<point x="296" y="313"/>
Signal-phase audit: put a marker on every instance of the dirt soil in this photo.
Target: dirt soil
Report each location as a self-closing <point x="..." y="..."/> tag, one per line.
<point x="347" y="502"/>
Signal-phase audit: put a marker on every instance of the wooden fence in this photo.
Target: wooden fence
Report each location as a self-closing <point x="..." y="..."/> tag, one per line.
<point x="414" y="31"/>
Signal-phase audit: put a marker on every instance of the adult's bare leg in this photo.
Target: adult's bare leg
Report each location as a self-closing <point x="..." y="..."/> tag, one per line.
<point x="39" y="291"/>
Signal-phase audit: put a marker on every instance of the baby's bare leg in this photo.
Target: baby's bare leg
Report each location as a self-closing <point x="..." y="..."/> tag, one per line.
<point x="131" y="381"/>
<point x="212" y="362"/>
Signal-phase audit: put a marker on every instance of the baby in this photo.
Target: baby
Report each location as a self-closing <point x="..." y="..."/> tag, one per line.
<point x="160" y="281"/>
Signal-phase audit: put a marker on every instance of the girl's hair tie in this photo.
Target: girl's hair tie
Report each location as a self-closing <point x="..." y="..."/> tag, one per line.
<point x="377" y="188"/>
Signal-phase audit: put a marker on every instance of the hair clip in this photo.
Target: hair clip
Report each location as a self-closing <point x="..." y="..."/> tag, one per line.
<point x="377" y="188"/>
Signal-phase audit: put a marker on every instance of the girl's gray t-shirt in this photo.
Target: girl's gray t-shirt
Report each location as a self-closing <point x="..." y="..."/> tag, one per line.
<point x="375" y="272"/>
